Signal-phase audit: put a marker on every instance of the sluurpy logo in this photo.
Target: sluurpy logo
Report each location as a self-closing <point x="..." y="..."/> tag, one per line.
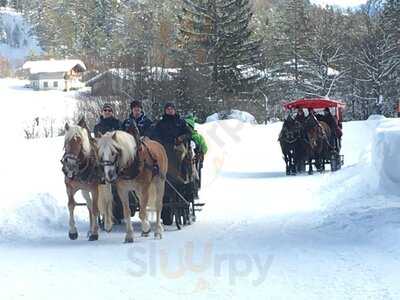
<point x="202" y="264"/>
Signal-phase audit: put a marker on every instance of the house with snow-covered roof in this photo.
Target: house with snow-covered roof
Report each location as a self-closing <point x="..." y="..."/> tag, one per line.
<point x="62" y="75"/>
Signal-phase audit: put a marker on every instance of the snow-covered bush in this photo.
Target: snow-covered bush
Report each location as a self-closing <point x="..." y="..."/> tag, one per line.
<point x="42" y="128"/>
<point x="233" y="114"/>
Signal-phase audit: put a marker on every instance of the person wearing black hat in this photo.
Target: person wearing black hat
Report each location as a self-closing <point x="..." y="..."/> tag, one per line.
<point x="336" y="132"/>
<point x="107" y="121"/>
<point x="137" y="120"/>
<point x="171" y="129"/>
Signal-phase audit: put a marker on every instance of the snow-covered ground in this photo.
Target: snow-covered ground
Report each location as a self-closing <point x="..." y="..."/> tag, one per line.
<point x="261" y="235"/>
<point x="26" y="110"/>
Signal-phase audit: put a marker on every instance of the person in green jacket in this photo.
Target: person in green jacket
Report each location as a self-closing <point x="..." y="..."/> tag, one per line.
<point x="198" y="139"/>
<point x="200" y="150"/>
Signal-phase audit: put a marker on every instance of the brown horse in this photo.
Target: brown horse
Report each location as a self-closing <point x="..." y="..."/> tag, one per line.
<point x="131" y="167"/>
<point x="80" y="166"/>
<point x="317" y="148"/>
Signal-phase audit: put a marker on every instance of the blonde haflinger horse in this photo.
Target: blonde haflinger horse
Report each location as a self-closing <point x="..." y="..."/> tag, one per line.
<point x="82" y="172"/>
<point x="139" y="168"/>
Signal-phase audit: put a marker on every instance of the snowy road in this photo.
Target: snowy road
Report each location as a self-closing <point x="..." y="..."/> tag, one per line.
<point x="261" y="235"/>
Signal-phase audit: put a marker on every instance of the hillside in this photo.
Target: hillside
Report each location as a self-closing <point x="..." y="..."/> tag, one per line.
<point x="16" y="42"/>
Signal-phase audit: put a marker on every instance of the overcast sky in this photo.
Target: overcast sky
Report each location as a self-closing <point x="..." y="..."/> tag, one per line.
<point x="343" y="3"/>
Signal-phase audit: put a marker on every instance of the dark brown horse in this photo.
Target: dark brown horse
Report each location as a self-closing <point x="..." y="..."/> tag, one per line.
<point x="316" y="144"/>
<point x="290" y="139"/>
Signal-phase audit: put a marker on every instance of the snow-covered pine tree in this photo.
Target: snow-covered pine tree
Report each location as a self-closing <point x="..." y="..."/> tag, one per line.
<point x="217" y="40"/>
<point x="237" y="55"/>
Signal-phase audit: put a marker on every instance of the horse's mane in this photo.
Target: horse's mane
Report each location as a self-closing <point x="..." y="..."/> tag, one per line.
<point x="77" y="131"/>
<point x="119" y="140"/>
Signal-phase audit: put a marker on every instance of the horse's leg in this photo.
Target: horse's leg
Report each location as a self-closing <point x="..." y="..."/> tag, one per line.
<point x="143" y="203"/>
<point x="105" y="205"/>
<point x="73" y="232"/>
<point x="160" y="187"/>
<point x="89" y="205"/>
<point x="286" y="158"/>
<point x="94" y="228"/>
<point x="292" y="162"/>
<point x="109" y="209"/>
<point x="123" y="193"/>
<point x="310" y="169"/>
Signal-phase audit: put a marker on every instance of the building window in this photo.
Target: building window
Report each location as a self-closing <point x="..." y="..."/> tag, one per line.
<point x="45" y="84"/>
<point x="55" y="84"/>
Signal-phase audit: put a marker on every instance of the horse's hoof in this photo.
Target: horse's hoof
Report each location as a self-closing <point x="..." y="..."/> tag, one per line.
<point x="108" y="229"/>
<point x="93" y="237"/>
<point x="73" y="235"/>
<point x="157" y="236"/>
<point x="146" y="234"/>
<point x="128" y="240"/>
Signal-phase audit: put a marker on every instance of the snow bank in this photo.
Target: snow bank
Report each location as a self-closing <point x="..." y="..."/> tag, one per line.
<point x="385" y="156"/>
<point x="234" y="114"/>
<point x="33" y="202"/>
<point x="35" y="219"/>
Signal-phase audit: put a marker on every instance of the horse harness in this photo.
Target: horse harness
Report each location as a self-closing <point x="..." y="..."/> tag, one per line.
<point x="133" y="170"/>
<point x="84" y="169"/>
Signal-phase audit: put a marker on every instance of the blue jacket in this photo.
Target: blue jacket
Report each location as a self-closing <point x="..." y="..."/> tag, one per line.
<point x="143" y="123"/>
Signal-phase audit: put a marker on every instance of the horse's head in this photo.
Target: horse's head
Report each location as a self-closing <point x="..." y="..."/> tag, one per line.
<point x="316" y="136"/>
<point x="77" y="149"/>
<point x="291" y="130"/>
<point x="109" y="154"/>
<point x="116" y="149"/>
<point x="313" y="137"/>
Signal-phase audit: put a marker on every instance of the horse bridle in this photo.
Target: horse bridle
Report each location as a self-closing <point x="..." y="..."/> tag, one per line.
<point x="76" y="163"/>
<point x="109" y="163"/>
<point x="295" y="133"/>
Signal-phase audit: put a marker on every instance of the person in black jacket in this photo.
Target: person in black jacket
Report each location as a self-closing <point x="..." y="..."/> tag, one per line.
<point x="137" y="118"/>
<point x="336" y="132"/>
<point x="107" y="121"/>
<point x="171" y="129"/>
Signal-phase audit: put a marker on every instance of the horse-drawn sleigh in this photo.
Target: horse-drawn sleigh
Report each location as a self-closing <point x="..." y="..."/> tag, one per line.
<point x="313" y="139"/>
<point x="162" y="180"/>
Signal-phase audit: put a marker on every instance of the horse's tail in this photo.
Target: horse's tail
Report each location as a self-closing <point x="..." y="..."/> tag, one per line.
<point x="105" y="203"/>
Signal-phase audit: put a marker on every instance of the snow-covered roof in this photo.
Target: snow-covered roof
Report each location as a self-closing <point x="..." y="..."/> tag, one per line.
<point x="52" y="66"/>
